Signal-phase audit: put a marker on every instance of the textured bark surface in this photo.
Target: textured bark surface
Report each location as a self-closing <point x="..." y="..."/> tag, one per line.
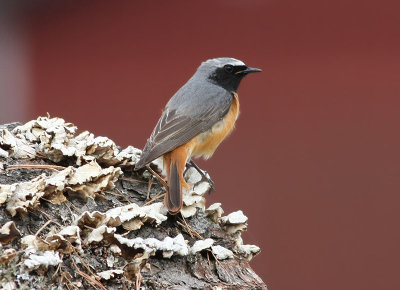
<point x="82" y="248"/>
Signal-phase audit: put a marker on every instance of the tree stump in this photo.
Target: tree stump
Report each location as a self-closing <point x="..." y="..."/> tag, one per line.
<point x="74" y="214"/>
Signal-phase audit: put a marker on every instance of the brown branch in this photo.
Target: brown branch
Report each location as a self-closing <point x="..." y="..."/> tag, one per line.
<point x="80" y="258"/>
<point x="42" y="227"/>
<point x="216" y="260"/>
<point x="83" y="274"/>
<point x="158" y="177"/>
<point x="192" y="230"/>
<point x="119" y="193"/>
<point x="186" y="228"/>
<point x="90" y="280"/>
<point x="35" y="166"/>
<point x="149" y="187"/>
<point x="156" y="197"/>
<point x="132" y="179"/>
<point x="48" y="217"/>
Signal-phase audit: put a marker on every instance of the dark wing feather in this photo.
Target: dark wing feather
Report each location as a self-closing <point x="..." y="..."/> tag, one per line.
<point x="175" y="129"/>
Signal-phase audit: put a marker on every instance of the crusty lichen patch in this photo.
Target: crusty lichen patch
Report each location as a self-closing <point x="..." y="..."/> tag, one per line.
<point x="82" y="217"/>
<point x="89" y="180"/>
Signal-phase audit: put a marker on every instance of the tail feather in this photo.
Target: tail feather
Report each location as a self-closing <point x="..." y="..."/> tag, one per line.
<point x="174" y="197"/>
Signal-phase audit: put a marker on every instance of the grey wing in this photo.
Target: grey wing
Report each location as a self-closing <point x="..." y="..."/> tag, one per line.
<point x="176" y="128"/>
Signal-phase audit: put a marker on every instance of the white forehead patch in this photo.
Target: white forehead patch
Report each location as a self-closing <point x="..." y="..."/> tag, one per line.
<point x="220" y="62"/>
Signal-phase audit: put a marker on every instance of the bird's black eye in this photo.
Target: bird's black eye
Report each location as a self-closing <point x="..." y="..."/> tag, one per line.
<point x="228" y="68"/>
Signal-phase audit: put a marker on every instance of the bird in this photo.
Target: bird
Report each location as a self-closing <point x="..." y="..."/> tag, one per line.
<point x="198" y="117"/>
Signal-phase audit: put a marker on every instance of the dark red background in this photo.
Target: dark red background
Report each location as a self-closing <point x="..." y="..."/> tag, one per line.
<point x="314" y="160"/>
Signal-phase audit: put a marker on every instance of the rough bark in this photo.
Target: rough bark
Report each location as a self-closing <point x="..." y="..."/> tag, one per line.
<point x="87" y="220"/>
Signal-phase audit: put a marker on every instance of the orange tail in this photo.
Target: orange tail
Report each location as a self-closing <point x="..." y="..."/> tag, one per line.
<point x="173" y="198"/>
<point x="175" y="163"/>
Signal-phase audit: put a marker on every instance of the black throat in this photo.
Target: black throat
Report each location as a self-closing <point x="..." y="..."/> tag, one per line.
<point x="228" y="80"/>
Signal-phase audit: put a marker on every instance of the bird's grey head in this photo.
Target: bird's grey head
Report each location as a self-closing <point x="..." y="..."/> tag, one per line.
<point x="225" y="72"/>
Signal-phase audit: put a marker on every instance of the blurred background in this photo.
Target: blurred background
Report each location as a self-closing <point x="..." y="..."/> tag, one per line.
<point x="314" y="161"/>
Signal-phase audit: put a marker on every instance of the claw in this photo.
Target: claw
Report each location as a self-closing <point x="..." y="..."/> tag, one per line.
<point x="203" y="174"/>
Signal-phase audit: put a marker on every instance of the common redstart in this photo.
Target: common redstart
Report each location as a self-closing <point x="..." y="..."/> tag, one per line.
<point x="195" y="121"/>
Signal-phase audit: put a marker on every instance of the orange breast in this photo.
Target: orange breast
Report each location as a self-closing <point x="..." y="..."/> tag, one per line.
<point x="206" y="143"/>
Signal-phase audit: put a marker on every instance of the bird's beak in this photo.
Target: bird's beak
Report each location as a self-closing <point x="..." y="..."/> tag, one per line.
<point x="248" y="70"/>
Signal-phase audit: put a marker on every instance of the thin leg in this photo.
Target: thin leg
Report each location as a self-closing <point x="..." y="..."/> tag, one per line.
<point x="204" y="174"/>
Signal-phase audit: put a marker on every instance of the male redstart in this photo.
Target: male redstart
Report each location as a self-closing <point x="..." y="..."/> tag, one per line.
<point x="195" y="121"/>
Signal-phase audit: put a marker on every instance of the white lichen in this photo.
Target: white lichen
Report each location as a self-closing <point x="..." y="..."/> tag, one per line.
<point x="169" y="246"/>
<point x="130" y="216"/>
<point x="247" y="251"/>
<point x="8" y="232"/>
<point x="18" y="147"/>
<point x="107" y="275"/>
<point x="115" y="249"/>
<point x="56" y="139"/>
<point x="30" y="243"/>
<point x="233" y="218"/>
<point x="86" y="181"/>
<point x="6" y="256"/>
<point x="214" y="211"/>
<point x="222" y="253"/>
<point x="45" y="259"/>
<point x="234" y="223"/>
<point x="194" y="198"/>
<point x="6" y="191"/>
<point x="25" y="195"/>
<point x="201" y="245"/>
<point x="4" y="154"/>
<point x="100" y="233"/>
<point x="68" y="236"/>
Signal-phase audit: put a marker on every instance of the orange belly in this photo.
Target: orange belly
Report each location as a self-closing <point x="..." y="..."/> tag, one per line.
<point x="207" y="142"/>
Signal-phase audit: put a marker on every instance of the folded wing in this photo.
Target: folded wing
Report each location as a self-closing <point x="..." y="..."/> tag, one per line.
<point x="177" y="126"/>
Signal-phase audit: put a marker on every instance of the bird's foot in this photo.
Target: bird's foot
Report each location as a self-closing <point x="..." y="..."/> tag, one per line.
<point x="204" y="174"/>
